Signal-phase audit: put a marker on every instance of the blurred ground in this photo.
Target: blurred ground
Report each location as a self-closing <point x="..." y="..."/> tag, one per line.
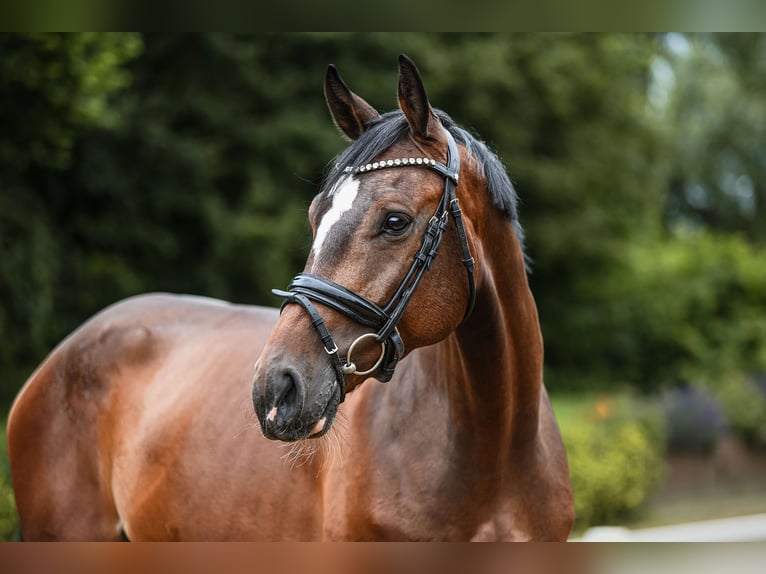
<point x="729" y="482"/>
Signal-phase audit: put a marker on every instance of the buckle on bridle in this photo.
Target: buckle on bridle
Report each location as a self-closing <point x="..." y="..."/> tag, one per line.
<point x="333" y="350"/>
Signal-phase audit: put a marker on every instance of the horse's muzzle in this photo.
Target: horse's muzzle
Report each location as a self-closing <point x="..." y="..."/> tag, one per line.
<point x="288" y="409"/>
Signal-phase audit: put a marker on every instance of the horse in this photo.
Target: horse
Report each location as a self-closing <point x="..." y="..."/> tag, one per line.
<point x="177" y="417"/>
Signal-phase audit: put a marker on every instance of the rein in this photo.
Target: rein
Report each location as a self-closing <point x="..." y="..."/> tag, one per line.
<point x="307" y="287"/>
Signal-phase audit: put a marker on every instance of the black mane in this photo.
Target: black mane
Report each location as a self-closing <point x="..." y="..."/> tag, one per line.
<point x="392" y="126"/>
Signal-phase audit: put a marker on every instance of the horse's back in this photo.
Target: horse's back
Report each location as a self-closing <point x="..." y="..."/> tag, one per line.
<point x="99" y="426"/>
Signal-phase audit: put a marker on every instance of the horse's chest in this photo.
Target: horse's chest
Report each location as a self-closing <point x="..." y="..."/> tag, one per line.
<point x="393" y="505"/>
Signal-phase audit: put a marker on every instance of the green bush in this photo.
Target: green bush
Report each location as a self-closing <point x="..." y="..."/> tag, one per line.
<point x="9" y="529"/>
<point x="8" y="518"/>
<point x="689" y="308"/>
<point x="615" y="452"/>
<point x="745" y="406"/>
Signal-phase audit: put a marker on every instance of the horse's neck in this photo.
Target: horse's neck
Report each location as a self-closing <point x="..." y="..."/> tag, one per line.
<point x="478" y="391"/>
<point x="497" y="355"/>
<point x="459" y="418"/>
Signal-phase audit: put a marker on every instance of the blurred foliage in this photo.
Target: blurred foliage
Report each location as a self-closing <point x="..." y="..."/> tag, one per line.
<point x="186" y="163"/>
<point x="53" y="89"/>
<point x="717" y="110"/>
<point x="745" y="405"/>
<point x="615" y="449"/>
<point x="54" y="85"/>
<point x="9" y="528"/>
<point x="689" y="308"/>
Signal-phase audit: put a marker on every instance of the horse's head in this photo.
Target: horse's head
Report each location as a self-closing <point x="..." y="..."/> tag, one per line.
<point x="373" y="287"/>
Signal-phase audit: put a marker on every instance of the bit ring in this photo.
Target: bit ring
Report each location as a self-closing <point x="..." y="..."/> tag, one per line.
<point x="349" y="368"/>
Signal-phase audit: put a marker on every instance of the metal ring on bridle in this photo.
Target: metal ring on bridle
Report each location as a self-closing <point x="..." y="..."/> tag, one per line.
<point x="350" y="368"/>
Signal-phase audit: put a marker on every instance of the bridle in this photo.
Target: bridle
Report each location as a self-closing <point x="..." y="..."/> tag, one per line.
<point x="307" y="287"/>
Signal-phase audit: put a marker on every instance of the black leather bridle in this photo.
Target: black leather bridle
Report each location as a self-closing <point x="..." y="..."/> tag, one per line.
<point x="307" y="287"/>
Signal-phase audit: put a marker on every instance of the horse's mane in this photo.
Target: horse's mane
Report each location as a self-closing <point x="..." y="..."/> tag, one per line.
<point x="392" y="126"/>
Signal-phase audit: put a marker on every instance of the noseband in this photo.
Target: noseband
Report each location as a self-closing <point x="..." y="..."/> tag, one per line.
<point x="307" y="287"/>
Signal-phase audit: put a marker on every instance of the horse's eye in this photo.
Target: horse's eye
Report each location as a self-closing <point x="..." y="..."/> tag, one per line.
<point x="396" y="224"/>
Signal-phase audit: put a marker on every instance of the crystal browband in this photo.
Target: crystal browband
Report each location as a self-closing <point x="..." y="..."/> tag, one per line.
<point x="399" y="162"/>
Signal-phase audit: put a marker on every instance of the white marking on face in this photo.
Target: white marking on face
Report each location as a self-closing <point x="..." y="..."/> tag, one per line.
<point x="343" y="195"/>
<point x="272" y="414"/>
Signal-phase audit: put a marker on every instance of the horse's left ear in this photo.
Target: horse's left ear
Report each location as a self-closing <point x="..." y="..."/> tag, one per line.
<point x="351" y="114"/>
<point x="414" y="102"/>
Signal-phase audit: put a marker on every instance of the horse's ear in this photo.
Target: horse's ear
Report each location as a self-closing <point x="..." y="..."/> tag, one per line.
<point x="414" y="102"/>
<point x="350" y="113"/>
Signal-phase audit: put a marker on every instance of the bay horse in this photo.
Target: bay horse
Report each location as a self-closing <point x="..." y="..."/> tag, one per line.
<point x="140" y="424"/>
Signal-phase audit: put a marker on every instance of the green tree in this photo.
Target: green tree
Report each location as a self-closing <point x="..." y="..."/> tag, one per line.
<point x="52" y="86"/>
<point x="717" y="108"/>
<point x="187" y="162"/>
<point x="195" y="176"/>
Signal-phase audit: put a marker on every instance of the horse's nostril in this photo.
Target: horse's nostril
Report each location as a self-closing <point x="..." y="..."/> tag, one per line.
<point x="289" y="390"/>
<point x="289" y="396"/>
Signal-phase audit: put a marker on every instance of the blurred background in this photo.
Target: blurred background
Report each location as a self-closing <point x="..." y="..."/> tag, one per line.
<point x="186" y="163"/>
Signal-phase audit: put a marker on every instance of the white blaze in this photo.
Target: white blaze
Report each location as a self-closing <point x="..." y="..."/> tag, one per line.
<point x="343" y="196"/>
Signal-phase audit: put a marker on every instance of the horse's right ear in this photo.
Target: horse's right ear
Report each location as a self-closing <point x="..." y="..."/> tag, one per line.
<point x="350" y="113"/>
